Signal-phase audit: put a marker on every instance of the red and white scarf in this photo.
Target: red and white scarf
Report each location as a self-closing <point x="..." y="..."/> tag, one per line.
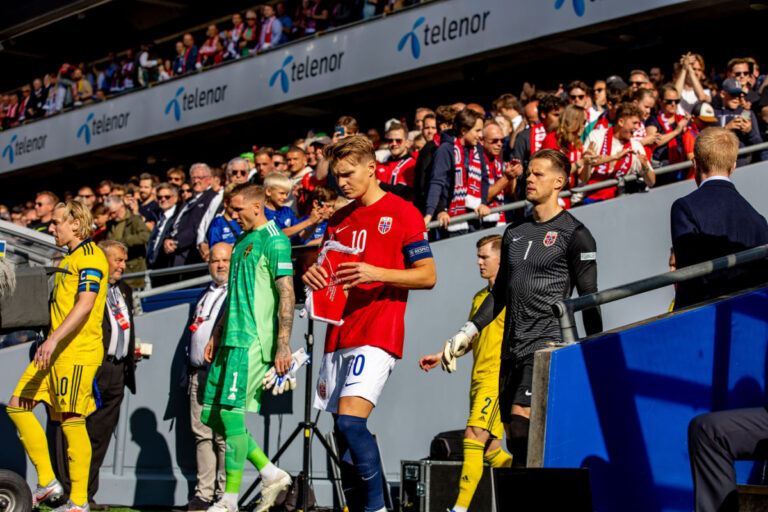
<point x="467" y="194"/>
<point x="538" y="134"/>
<point x="495" y="172"/>
<point x="607" y="171"/>
<point x="602" y="123"/>
<point x="674" y="148"/>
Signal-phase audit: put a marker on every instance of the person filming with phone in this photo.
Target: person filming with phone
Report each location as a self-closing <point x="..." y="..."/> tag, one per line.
<point x="741" y="121"/>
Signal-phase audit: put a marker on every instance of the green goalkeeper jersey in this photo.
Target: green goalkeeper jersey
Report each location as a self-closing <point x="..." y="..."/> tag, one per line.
<point x="258" y="258"/>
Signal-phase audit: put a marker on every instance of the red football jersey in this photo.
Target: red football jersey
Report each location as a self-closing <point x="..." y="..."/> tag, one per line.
<point x="374" y="314"/>
<point x="397" y="172"/>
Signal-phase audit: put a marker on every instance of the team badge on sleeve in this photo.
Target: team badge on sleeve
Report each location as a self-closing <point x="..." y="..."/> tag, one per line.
<point x="385" y="224"/>
<point x="321" y="389"/>
<point x="550" y="238"/>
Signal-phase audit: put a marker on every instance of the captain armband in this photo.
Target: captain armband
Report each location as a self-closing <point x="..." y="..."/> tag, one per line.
<point x="416" y="251"/>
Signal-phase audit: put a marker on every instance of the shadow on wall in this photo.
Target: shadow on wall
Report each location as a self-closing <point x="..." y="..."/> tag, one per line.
<point x="12" y="455"/>
<point x="156" y="483"/>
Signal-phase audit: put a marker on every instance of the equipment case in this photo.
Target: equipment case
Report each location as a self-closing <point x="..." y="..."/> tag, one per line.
<point x="432" y="486"/>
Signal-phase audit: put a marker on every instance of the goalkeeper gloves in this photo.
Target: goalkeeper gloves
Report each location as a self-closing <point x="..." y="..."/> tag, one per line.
<point x="457" y="346"/>
<point x="287" y="381"/>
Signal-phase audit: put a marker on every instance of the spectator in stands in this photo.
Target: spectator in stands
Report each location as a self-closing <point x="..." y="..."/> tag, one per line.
<point x="117" y="190"/>
<point x="616" y="154"/>
<point x="645" y="101"/>
<point x="185" y="192"/>
<point x="81" y="89"/>
<point x="238" y="170"/>
<point x="86" y="196"/>
<point x="703" y="116"/>
<point x="429" y="126"/>
<point x="26" y="104"/>
<point x="532" y="138"/>
<point x="638" y="79"/>
<point x="12" y="112"/>
<point x="277" y="187"/>
<point x="167" y="197"/>
<point x="733" y="116"/>
<point x="271" y="29"/>
<point x="209" y="48"/>
<point x="148" y="69"/>
<point x="250" y="36"/>
<point x="459" y="175"/>
<point x="148" y="207"/>
<point x="264" y="164"/>
<point x="100" y="218"/>
<point x="567" y="139"/>
<point x="323" y="201"/>
<point x="316" y="16"/>
<point x="190" y="57"/>
<point x="444" y="116"/>
<point x="508" y="105"/>
<point x="210" y="447"/>
<point x="396" y="172"/>
<point x="613" y="99"/>
<point x="103" y="190"/>
<point x="285" y="21"/>
<point x="223" y="228"/>
<point x="39" y="95"/>
<point x="57" y="93"/>
<point x="689" y="83"/>
<point x="501" y="177"/>
<point x="125" y="227"/>
<point x="599" y="99"/>
<point x="45" y="202"/>
<point x="180" y="59"/>
<point x="670" y="126"/>
<point x="578" y="94"/>
<point x="238" y="26"/>
<point x="657" y="77"/>
<point x="279" y="163"/>
<point x="181" y="243"/>
<point x="175" y="176"/>
<point x="418" y="118"/>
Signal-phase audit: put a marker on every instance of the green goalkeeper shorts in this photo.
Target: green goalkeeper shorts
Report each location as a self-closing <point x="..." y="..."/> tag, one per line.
<point x="235" y="378"/>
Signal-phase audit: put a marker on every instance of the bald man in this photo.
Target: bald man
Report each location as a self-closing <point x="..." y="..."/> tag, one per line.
<point x="210" y="446"/>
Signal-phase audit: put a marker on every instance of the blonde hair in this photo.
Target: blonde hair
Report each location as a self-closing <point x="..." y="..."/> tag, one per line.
<point x="716" y="150"/>
<point x="276" y="179"/>
<point x="570" y="125"/>
<point x="356" y="148"/>
<point x="77" y="210"/>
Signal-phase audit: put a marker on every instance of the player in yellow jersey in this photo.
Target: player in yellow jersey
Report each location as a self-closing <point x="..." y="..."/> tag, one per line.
<point x="64" y="366"/>
<point x="482" y="438"/>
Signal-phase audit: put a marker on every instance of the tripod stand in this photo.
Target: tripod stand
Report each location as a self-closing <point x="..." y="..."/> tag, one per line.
<point x="307" y="426"/>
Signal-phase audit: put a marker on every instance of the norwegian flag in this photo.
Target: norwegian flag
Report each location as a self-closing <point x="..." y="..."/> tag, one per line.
<point x="549" y="238"/>
<point x="385" y="224"/>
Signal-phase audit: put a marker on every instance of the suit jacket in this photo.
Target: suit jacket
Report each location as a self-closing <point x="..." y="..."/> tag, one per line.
<point x="185" y="229"/>
<point x="714" y="221"/>
<point x="156" y="257"/>
<point x="106" y="325"/>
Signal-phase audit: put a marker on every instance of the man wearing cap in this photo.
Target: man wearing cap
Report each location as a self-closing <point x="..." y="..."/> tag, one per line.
<point x="742" y="122"/>
<point x="702" y="116"/>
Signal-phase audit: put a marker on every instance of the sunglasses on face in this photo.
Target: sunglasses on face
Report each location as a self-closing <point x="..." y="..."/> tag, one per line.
<point x="599" y="89"/>
<point x="163" y="198"/>
<point x="637" y="83"/>
<point x="740" y="73"/>
<point x="494" y="141"/>
<point x="86" y="195"/>
<point x="250" y="19"/>
<point x="577" y="96"/>
<point x="39" y="204"/>
<point x="103" y="195"/>
<point x="670" y="102"/>
<point x="394" y="141"/>
<point x="239" y="172"/>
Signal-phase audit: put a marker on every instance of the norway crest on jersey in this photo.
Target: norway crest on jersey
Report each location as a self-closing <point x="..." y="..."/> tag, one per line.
<point x="550" y="238"/>
<point x="385" y="224"/>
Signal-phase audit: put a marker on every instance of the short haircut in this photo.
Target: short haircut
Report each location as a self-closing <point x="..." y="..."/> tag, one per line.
<point x="549" y="103"/>
<point x="265" y="151"/>
<point x="495" y="240"/>
<point x="77" y="210"/>
<point x="507" y="101"/>
<point x="578" y="84"/>
<point x="424" y="109"/>
<point x="716" y="150"/>
<point x="323" y="194"/>
<point x="397" y="126"/>
<point x="640" y="72"/>
<point x="348" y="122"/>
<point x="556" y="158"/>
<point x="173" y="171"/>
<point x="53" y="197"/>
<point x="736" y="61"/>
<point x="108" y="245"/>
<point x="628" y="110"/>
<point x="113" y="201"/>
<point x="295" y="149"/>
<point x="200" y="165"/>
<point x="429" y="116"/>
<point x="614" y="95"/>
<point x="235" y="161"/>
<point x="116" y="187"/>
<point x="667" y="88"/>
<point x="146" y="176"/>
<point x="641" y="94"/>
<point x="465" y="120"/>
<point x="357" y="148"/>
<point x="98" y="210"/>
<point x="276" y="179"/>
<point x="167" y="186"/>
<point x="250" y="192"/>
<point x="445" y="114"/>
<point x="108" y="183"/>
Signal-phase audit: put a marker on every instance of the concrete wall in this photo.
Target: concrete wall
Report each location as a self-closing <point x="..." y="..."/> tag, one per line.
<point x="632" y="234"/>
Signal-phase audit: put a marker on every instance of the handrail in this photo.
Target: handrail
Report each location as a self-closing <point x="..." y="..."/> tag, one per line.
<point x="565" y="309"/>
<point x="595" y="186"/>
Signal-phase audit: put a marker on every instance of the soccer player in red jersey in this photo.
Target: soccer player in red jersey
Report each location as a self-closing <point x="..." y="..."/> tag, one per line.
<point x="361" y="353"/>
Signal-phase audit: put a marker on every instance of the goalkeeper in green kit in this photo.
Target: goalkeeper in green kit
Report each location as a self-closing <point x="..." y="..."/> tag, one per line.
<point x="254" y="332"/>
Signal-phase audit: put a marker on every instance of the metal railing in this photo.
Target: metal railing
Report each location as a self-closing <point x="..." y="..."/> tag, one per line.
<point x="564" y="310"/>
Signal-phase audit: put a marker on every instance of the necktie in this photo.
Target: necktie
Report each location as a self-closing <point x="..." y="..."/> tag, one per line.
<point x="120" y="346"/>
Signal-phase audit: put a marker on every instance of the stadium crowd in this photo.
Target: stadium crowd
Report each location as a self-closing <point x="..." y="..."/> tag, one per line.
<point x="248" y="33"/>
<point x="455" y="159"/>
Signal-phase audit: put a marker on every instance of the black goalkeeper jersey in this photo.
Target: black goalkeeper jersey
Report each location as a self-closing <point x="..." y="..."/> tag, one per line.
<point x="540" y="264"/>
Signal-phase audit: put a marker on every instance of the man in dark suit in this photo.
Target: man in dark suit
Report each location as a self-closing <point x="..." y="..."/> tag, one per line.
<point x="713" y="221"/>
<point x="167" y="197"/>
<point x="181" y="243"/>
<point x="119" y="367"/>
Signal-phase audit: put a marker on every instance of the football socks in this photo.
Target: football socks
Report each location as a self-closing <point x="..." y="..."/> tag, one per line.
<point x="79" y="454"/>
<point x="34" y="441"/>
<point x="471" y="472"/>
<point x="365" y="455"/>
<point x="498" y="459"/>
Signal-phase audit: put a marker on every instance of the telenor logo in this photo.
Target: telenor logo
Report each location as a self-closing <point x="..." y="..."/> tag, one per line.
<point x="174" y="103"/>
<point x="282" y="75"/>
<point x="413" y="38"/>
<point x="85" y="129"/>
<point x="578" y="6"/>
<point x="183" y="102"/>
<point x="444" y="30"/>
<point x="310" y="68"/>
<point x="8" y="151"/>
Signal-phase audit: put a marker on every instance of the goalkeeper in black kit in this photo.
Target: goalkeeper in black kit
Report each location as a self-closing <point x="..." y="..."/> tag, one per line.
<point x="542" y="259"/>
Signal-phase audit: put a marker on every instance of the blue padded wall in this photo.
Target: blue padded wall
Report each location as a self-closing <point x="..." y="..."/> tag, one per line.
<point x="620" y="404"/>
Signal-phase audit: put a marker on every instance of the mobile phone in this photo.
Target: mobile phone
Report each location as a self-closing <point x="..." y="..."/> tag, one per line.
<point x="745" y="115"/>
<point x="339" y="131"/>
